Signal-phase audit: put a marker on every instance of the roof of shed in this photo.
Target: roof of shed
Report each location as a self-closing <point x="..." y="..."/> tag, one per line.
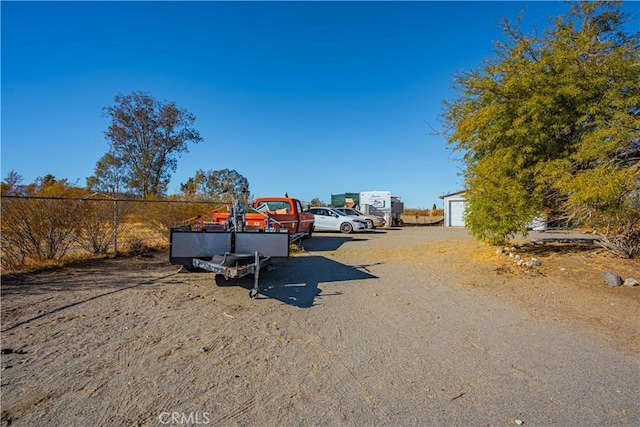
<point x="453" y="194"/>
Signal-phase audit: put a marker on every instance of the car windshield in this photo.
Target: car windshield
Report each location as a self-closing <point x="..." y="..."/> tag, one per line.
<point x="348" y="211"/>
<point x="338" y="212"/>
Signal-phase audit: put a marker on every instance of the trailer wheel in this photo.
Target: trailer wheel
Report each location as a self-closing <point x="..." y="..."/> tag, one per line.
<point x="221" y="280"/>
<point x="189" y="268"/>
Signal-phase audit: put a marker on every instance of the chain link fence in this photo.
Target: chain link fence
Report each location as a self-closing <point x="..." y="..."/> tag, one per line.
<point x="37" y="230"/>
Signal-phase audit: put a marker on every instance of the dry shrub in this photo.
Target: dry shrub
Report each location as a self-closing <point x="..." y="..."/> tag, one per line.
<point x="96" y="232"/>
<point x="38" y="229"/>
<point x="138" y="247"/>
<point x="625" y="244"/>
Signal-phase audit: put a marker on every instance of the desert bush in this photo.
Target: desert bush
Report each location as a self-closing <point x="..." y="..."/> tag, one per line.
<point x="138" y="247"/>
<point x="622" y="236"/>
<point x="423" y="212"/>
<point x="42" y="228"/>
<point x="15" y="243"/>
<point x="95" y="232"/>
<point x="50" y="220"/>
<point x="56" y="228"/>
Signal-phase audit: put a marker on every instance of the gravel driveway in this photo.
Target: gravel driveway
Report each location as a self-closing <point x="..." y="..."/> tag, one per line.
<point x="391" y="327"/>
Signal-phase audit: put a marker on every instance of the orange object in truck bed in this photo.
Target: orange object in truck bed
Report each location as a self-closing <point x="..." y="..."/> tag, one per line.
<point x="265" y="213"/>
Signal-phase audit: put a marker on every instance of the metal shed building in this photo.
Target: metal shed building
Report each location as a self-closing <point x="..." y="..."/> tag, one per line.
<point x="454" y="206"/>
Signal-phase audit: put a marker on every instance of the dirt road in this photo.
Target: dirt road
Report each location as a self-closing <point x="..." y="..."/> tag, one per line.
<point x="416" y="326"/>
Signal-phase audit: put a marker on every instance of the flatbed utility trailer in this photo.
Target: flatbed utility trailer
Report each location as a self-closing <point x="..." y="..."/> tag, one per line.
<point x="236" y="244"/>
<point x="228" y="254"/>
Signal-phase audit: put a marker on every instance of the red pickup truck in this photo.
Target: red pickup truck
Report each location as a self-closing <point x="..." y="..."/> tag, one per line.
<point x="281" y="212"/>
<point x="265" y="213"/>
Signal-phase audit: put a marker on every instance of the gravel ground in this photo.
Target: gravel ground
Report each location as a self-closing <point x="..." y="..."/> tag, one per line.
<point x="413" y="326"/>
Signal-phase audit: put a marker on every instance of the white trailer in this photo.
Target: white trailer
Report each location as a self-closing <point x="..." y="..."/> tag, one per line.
<point x="382" y="203"/>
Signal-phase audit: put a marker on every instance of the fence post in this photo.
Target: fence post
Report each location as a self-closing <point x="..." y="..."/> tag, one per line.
<point x="115" y="227"/>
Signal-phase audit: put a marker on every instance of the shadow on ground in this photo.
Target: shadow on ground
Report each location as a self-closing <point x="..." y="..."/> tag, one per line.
<point x="328" y="242"/>
<point x="296" y="282"/>
<point x="559" y="242"/>
<point x="549" y="248"/>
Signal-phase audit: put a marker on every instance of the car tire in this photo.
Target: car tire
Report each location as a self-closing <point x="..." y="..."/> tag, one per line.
<point x="346" y="227"/>
<point x="370" y="225"/>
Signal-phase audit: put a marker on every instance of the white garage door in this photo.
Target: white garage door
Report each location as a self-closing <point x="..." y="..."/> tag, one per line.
<point x="456" y="210"/>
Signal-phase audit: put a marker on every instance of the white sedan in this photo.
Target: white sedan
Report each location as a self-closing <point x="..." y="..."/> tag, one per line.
<point x="329" y="219"/>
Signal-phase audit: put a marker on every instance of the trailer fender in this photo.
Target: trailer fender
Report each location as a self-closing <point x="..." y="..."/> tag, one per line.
<point x="229" y="259"/>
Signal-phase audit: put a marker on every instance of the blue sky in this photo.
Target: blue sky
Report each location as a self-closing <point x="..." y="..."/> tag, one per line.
<point x="309" y="98"/>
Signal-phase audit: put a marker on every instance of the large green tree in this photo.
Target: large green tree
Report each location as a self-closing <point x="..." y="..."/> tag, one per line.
<point x="551" y="123"/>
<point x="146" y="137"/>
<point x="216" y="185"/>
<point x="109" y="175"/>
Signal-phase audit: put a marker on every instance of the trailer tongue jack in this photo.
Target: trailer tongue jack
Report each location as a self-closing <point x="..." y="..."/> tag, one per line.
<point x="225" y="272"/>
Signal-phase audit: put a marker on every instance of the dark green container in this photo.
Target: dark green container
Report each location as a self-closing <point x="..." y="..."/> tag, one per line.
<point x="339" y="200"/>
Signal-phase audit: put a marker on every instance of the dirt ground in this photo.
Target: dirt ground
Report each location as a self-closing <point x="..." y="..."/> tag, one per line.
<point x="412" y="326"/>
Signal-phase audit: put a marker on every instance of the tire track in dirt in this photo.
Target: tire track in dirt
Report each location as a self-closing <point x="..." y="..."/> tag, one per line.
<point x="218" y="349"/>
<point x="343" y="382"/>
<point x="239" y="414"/>
<point x="83" y="301"/>
<point x="138" y="335"/>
